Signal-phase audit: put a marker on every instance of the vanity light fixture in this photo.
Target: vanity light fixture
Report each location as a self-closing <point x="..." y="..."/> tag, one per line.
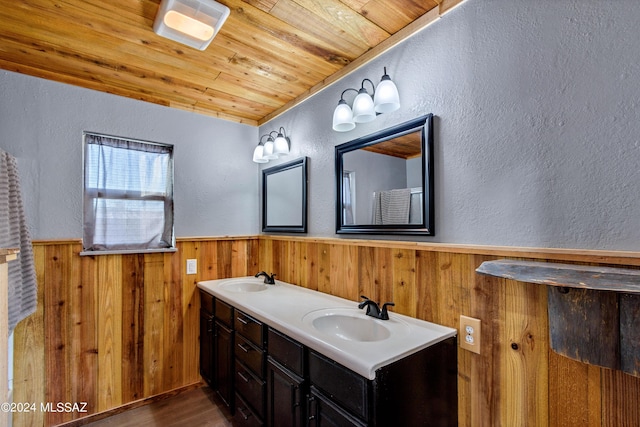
<point x="191" y="22"/>
<point x="273" y="147"/>
<point x="384" y="99"/>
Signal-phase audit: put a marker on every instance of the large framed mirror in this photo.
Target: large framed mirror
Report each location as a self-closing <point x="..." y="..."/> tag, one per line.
<point x="284" y="197"/>
<point x="384" y="181"/>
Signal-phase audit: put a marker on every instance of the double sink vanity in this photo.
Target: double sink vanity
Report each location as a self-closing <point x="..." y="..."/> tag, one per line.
<point x="282" y="355"/>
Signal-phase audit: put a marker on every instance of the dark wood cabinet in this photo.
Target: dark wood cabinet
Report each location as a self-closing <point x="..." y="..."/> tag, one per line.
<point x="326" y="413"/>
<point x="223" y="351"/>
<point x="286" y="395"/>
<point x="250" y="357"/>
<point x="269" y="379"/>
<point x="216" y="346"/>
<point x="207" y="320"/>
<point x="417" y="390"/>
<point x="287" y="387"/>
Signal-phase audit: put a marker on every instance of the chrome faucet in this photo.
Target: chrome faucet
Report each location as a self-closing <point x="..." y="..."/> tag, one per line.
<point x="269" y="280"/>
<point x="373" y="309"/>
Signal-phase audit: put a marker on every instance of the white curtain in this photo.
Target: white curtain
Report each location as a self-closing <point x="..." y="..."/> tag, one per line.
<point x="128" y="194"/>
<point x="347" y="199"/>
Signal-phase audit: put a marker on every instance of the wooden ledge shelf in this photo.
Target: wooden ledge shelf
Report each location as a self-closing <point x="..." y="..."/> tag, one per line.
<point x="565" y="275"/>
<point x="593" y="311"/>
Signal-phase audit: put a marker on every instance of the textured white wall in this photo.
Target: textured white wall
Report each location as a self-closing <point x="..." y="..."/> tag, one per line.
<point x="537" y="128"/>
<point x="41" y="123"/>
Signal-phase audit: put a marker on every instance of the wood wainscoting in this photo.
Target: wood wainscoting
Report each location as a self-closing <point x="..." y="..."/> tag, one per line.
<point x="114" y="329"/>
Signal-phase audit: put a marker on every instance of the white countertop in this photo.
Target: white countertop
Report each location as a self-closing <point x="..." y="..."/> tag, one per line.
<point x="283" y="306"/>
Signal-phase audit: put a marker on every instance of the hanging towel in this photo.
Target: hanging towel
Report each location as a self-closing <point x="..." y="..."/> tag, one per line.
<point x="392" y="206"/>
<point x="15" y="234"/>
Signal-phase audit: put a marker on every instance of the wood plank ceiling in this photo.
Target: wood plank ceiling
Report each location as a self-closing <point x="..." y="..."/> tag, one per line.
<point x="268" y="56"/>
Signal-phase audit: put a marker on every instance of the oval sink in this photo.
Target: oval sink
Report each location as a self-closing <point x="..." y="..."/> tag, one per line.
<point x="351" y="328"/>
<point x="243" y="286"/>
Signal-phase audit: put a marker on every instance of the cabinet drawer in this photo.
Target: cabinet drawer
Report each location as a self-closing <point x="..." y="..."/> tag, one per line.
<point x="250" y="328"/>
<point x="244" y="416"/>
<point x="251" y="388"/>
<point x="250" y="355"/>
<point x="323" y="412"/>
<point x="340" y="384"/>
<point x="206" y="302"/>
<point x="224" y="313"/>
<point x="286" y="351"/>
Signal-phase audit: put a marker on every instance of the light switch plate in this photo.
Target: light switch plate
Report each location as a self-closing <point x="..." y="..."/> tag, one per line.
<point x="192" y="266"/>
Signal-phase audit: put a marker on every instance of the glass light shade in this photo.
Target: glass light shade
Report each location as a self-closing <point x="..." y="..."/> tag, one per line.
<point x="268" y="150"/>
<point x="258" y="154"/>
<point x="386" y="98"/>
<point x="280" y="145"/>
<point x="343" y="117"/>
<point x="363" y="110"/>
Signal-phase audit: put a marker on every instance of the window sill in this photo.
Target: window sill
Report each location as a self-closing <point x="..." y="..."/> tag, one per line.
<point x="128" y="251"/>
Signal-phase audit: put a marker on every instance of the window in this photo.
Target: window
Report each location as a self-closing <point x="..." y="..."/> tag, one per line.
<point x="128" y="195"/>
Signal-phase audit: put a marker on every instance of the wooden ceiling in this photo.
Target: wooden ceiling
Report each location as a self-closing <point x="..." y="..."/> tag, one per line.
<point x="269" y="55"/>
<point x="408" y="146"/>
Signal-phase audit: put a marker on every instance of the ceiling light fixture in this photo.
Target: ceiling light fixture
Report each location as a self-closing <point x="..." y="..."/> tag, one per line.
<point x="384" y="99"/>
<point x="191" y="22"/>
<point x="273" y="147"/>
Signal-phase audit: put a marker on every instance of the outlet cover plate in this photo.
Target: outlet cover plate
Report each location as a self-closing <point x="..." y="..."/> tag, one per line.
<point x="470" y="333"/>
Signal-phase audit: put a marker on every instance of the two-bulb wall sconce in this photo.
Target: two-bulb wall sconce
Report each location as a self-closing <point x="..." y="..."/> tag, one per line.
<point x="273" y="147"/>
<point x="384" y="99"/>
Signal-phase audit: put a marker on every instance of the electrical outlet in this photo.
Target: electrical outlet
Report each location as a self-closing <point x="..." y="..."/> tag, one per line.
<point x="470" y="334"/>
<point x="192" y="266"/>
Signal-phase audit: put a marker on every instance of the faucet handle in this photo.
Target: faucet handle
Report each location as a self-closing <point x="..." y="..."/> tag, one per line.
<point x="384" y="315"/>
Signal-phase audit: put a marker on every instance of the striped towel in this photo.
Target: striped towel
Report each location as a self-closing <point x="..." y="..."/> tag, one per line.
<point x="392" y="206"/>
<point x="15" y="234"/>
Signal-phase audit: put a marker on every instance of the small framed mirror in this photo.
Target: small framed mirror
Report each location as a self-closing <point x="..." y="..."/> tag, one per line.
<point x="384" y="181"/>
<point x="284" y="197"/>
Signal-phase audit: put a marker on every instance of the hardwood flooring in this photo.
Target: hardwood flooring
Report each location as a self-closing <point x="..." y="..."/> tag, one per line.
<point x="195" y="407"/>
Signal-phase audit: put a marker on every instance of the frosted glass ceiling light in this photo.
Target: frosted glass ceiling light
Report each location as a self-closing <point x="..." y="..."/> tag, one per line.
<point x="386" y="97"/>
<point x="258" y="153"/>
<point x="268" y="149"/>
<point x="343" y="116"/>
<point x="281" y="143"/>
<point x="273" y="148"/>
<point x="191" y="22"/>
<point x="363" y="108"/>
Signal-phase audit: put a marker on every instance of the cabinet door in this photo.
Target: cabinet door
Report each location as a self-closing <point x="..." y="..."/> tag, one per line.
<point x="285" y="391"/>
<point x="223" y="371"/>
<point x="206" y="348"/>
<point x="325" y="413"/>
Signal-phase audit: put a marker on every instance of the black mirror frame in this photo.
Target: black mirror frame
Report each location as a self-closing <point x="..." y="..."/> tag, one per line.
<point x="302" y="163"/>
<point x="427" y="225"/>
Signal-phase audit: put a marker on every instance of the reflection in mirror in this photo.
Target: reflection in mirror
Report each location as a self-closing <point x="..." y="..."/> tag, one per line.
<point x="384" y="181"/>
<point x="284" y="197"/>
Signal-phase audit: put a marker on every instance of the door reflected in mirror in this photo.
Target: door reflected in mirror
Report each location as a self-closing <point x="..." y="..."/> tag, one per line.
<point x="384" y="181"/>
<point x="284" y="197"/>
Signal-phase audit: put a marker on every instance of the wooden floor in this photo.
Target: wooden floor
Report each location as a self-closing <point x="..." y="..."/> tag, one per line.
<point x="195" y="407"/>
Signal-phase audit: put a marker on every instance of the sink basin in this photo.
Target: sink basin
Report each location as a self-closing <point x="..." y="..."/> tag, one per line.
<point x="243" y="286"/>
<point x="349" y="324"/>
<point x="351" y="328"/>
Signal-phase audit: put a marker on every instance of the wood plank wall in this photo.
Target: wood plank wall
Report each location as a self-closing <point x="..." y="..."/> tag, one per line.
<point x="114" y="329"/>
